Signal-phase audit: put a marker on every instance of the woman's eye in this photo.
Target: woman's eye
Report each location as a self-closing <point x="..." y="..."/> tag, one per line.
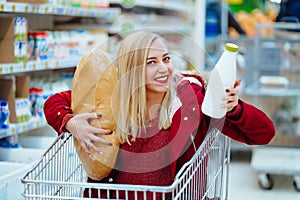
<point x="168" y="58"/>
<point x="150" y="62"/>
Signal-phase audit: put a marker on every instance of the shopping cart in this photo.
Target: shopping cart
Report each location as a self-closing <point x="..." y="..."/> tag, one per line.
<point x="60" y="175"/>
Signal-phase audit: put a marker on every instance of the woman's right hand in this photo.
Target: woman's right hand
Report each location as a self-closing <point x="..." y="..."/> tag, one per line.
<point x="86" y="134"/>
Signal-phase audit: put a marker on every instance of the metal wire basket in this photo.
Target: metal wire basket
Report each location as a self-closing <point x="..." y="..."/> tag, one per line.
<point x="60" y="175"/>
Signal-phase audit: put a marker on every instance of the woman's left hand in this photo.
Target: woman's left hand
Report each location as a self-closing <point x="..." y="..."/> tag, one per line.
<point x="232" y="96"/>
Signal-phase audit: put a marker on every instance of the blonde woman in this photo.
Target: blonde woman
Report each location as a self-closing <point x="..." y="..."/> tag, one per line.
<point x="157" y="112"/>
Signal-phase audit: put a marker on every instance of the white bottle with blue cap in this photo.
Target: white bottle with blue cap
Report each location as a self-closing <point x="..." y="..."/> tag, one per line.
<point x="222" y="77"/>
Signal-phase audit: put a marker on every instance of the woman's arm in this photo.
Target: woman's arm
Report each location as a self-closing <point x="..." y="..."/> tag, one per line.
<point x="57" y="109"/>
<point x="249" y="125"/>
<point x="59" y="115"/>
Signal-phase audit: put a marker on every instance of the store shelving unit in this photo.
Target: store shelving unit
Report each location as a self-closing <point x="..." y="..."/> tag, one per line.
<point x="48" y="9"/>
<point x="273" y="59"/>
<point x="30" y="67"/>
<point x="14" y="129"/>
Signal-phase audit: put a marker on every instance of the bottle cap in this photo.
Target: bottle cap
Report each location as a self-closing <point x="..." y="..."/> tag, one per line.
<point x="231" y="47"/>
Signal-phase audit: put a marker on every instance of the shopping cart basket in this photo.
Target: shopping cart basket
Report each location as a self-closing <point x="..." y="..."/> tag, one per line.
<point x="60" y="175"/>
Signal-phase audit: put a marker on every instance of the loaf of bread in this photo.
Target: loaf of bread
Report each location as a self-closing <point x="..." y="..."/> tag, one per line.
<point x="92" y="88"/>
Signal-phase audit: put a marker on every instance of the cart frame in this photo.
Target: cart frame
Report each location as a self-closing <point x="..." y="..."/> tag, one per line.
<point x="60" y="175"/>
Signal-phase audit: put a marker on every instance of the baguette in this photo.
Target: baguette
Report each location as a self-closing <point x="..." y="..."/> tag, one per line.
<point x="94" y="81"/>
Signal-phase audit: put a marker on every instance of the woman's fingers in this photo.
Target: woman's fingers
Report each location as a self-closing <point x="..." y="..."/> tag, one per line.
<point x="237" y="83"/>
<point x="88" y="136"/>
<point x="231" y="98"/>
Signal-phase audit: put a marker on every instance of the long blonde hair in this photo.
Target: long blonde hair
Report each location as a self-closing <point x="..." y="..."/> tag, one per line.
<point x="130" y="112"/>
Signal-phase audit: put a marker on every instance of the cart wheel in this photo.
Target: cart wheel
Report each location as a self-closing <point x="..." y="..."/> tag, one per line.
<point x="296" y="183"/>
<point x="265" y="181"/>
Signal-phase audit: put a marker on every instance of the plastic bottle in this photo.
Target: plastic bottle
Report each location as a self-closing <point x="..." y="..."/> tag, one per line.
<point x="222" y="77"/>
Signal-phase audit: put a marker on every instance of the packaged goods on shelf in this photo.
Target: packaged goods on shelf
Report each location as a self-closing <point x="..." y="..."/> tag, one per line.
<point x="82" y="4"/>
<point x="12" y="88"/>
<point x="23" y="106"/>
<point x="13" y="39"/>
<point x="4" y="115"/>
<point x="29" y="1"/>
<point x="9" y="142"/>
<point x="37" y="99"/>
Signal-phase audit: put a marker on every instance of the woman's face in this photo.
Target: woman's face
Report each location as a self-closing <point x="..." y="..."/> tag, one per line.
<point x="159" y="68"/>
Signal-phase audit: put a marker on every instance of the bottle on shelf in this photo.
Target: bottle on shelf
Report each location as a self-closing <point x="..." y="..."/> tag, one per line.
<point x="222" y="77"/>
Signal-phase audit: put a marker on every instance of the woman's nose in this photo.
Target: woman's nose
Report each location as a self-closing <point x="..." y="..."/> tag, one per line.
<point x="163" y="66"/>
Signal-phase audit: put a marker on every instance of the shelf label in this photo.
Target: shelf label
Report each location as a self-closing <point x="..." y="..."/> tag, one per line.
<point x="11" y="69"/>
<point x="127" y="28"/>
<point x="235" y="2"/>
<point x="93" y="13"/>
<point x="24" y="128"/>
<point x="13" y="8"/>
<point x="60" y="10"/>
<point x="46" y="9"/>
<point x="24" y="67"/>
<point x="128" y="3"/>
<point x="13" y="130"/>
<point x="71" y="11"/>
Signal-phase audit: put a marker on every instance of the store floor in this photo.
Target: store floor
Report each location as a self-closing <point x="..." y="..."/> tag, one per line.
<point x="243" y="184"/>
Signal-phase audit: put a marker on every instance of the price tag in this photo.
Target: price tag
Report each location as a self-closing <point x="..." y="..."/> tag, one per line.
<point x="128" y="3"/>
<point x="127" y="28"/>
<point x="235" y="2"/>
<point x="13" y="130"/>
<point x="59" y="10"/>
<point x="26" y="9"/>
<point x="29" y="66"/>
<point x="24" y="67"/>
<point x="11" y="69"/>
<point x="46" y="9"/>
<point x="30" y="126"/>
<point x="1" y="7"/>
<point x="81" y="12"/>
<point x="24" y="128"/>
<point x="71" y="11"/>
<point x="93" y="13"/>
<point x="46" y="65"/>
<point x="13" y="8"/>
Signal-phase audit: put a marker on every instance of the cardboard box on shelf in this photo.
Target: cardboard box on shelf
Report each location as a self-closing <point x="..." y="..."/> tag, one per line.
<point x="7" y="40"/>
<point x="13" y="39"/>
<point x="29" y="1"/>
<point x="12" y="88"/>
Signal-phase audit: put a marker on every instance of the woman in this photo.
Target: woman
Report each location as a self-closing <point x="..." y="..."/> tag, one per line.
<point x="160" y="111"/>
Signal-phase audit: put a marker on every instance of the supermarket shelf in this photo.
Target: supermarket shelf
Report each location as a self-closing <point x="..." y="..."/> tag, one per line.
<point x="257" y="90"/>
<point x="33" y="123"/>
<point x="31" y="66"/>
<point x="58" y="10"/>
<point x="167" y="5"/>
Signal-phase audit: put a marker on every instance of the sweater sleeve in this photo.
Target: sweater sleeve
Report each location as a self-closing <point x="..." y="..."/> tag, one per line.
<point x="57" y="109"/>
<point x="249" y="125"/>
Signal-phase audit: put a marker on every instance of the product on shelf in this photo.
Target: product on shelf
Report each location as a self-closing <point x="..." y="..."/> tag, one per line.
<point x="13" y="39"/>
<point x="30" y="1"/>
<point x="4" y="115"/>
<point x="13" y="88"/>
<point x="37" y="99"/>
<point x="10" y="142"/>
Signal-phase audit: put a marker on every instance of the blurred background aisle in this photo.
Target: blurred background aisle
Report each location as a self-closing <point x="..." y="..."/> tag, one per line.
<point x="243" y="183"/>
